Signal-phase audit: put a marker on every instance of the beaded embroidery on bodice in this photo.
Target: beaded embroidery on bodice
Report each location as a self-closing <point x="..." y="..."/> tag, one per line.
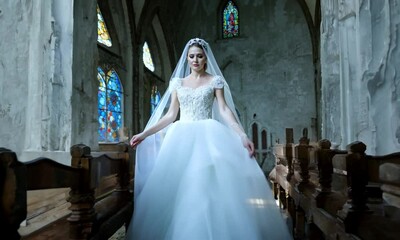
<point x="196" y="103"/>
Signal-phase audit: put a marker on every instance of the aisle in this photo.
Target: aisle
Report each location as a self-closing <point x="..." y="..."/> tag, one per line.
<point x="118" y="235"/>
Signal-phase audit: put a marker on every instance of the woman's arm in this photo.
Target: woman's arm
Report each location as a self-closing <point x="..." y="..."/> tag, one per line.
<point x="168" y="118"/>
<point x="230" y="119"/>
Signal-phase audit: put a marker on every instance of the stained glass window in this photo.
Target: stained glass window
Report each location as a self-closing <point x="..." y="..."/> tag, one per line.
<point x="155" y="98"/>
<point x="147" y="59"/>
<point x="254" y="128"/>
<point x="109" y="105"/>
<point x="230" y="19"/>
<point x="102" y="33"/>
<point x="264" y="143"/>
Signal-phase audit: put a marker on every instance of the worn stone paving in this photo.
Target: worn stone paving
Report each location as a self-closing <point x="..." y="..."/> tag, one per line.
<point x="118" y="235"/>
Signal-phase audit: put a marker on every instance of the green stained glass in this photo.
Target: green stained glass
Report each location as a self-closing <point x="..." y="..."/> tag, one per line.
<point x="230" y="20"/>
<point x="103" y="36"/>
<point x="109" y="105"/>
<point x="147" y="59"/>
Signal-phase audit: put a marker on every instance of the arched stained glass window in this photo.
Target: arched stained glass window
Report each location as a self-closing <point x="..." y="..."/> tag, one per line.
<point x="109" y="105"/>
<point x="147" y="59"/>
<point x="264" y="143"/>
<point x="254" y="131"/>
<point x="155" y="98"/>
<point x="230" y="20"/>
<point x="103" y="36"/>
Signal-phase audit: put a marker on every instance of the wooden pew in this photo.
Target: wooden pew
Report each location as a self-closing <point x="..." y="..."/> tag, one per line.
<point x="296" y="182"/>
<point x="390" y="177"/>
<point x="364" y="213"/>
<point x="13" y="194"/>
<point x="340" y="199"/>
<point x="100" y="197"/>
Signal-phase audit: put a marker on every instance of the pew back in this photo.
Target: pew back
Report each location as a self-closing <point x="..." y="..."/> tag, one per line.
<point x="99" y="197"/>
<point x="345" y="199"/>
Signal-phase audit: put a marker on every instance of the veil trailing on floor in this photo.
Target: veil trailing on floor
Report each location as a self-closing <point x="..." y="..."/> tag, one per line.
<point x="147" y="151"/>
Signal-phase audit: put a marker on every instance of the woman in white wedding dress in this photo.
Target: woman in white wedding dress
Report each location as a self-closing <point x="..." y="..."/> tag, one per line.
<point x="196" y="178"/>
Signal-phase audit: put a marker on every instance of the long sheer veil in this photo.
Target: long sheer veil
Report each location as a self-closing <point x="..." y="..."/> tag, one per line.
<point x="147" y="151"/>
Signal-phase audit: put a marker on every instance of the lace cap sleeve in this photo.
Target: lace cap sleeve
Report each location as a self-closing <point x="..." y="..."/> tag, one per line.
<point x="175" y="83"/>
<point x="218" y="83"/>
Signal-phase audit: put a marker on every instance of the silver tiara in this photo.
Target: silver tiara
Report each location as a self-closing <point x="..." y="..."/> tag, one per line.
<point x="198" y="41"/>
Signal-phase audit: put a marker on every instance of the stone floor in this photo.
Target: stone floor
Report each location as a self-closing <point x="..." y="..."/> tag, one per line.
<point x="119" y="235"/>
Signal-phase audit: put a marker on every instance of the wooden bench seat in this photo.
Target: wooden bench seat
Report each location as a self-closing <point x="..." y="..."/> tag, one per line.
<point x="100" y="198"/>
<point x="337" y="194"/>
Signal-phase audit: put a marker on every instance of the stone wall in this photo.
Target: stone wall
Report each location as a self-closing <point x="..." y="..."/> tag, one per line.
<point x="49" y="62"/>
<point x="48" y="91"/>
<point x="36" y="72"/>
<point x="269" y="67"/>
<point x="360" y="60"/>
<point x="84" y="125"/>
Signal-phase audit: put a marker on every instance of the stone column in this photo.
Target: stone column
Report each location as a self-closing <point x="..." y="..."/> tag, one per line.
<point x="48" y="100"/>
<point x="84" y="124"/>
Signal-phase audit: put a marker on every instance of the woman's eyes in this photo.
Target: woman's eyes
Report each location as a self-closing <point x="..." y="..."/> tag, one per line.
<point x="199" y="56"/>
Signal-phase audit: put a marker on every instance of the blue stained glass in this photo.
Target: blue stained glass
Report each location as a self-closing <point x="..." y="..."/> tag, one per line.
<point x="113" y="81"/>
<point x="101" y="72"/>
<point x="114" y="122"/>
<point x="109" y="105"/>
<point x="155" y="98"/>
<point x="230" y="20"/>
<point x="102" y="98"/>
<point x="102" y="125"/>
<point x="113" y="101"/>
<point x="101" y="93"/>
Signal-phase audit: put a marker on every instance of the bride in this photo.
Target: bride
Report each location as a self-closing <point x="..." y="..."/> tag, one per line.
<point x="196" y="178"/>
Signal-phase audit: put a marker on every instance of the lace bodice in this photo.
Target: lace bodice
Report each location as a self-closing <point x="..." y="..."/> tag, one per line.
<point x="196" y="103"/>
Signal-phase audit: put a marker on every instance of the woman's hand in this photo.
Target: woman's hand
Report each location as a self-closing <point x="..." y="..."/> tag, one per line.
<point x="137" y="139"/>
<point x="248" y="145"/>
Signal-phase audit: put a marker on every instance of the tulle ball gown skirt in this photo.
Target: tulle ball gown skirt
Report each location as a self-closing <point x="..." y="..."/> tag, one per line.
<point x="204" y="186"/>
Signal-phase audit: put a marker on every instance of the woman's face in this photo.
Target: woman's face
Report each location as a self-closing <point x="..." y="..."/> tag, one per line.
<point x="196" y="58"/>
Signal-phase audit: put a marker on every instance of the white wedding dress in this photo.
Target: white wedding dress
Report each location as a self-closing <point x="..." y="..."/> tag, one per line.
<point x="204" y="185"/>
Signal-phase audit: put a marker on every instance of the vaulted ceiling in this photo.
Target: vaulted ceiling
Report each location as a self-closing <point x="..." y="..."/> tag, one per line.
<point x="163" y="14"/>
<point x="309" y="7"/>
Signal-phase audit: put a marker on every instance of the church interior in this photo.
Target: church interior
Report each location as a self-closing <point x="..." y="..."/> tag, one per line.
<point x="315" y="84"/>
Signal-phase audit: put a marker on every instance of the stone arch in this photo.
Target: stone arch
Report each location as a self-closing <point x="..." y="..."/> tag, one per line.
<point x="107" y="10"/>
<point x="120" y="55"/>
<point x="151" y="30"/>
